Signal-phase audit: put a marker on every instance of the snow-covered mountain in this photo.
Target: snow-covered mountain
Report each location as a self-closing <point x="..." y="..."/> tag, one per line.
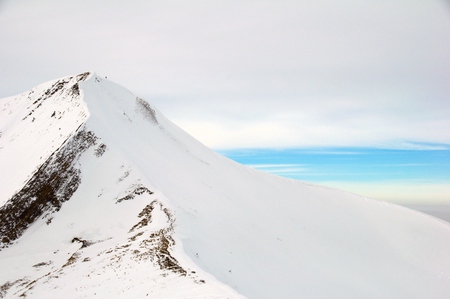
<point x="102" y="196"/>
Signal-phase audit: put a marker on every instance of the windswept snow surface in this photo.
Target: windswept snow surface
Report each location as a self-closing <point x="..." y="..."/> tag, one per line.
<point x="158" y="213"/>
<point x="33" y="125"/>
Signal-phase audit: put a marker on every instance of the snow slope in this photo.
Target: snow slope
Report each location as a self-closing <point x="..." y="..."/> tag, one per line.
<point x="35" y="124"/>
<point x="131" y="205"/>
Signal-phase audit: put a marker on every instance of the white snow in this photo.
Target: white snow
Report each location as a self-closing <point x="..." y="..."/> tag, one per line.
<point x="243" y="232"/>
<point x="32" y="127"/>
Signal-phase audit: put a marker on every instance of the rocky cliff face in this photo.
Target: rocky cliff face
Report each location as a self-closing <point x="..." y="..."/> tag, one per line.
<point x="58" y="177"/>
<point x="51" y="185"/>
<point x="34" y="125"/>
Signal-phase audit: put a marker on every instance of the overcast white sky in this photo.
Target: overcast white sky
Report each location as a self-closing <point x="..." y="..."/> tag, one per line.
<point x="251" y="73"/>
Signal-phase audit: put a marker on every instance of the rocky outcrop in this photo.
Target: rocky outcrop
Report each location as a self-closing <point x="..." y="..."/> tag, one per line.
<point x="52" y="184"/>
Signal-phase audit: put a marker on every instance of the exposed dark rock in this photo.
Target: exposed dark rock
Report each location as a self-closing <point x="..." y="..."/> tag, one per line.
<point x="84" y="243"/>
<point x="145" y="215"/>
<point x="100" y="150"/>
<point x="53" y="183"/>
<point x="59" y="87"/>
<point x="75" y="89"/>
<point x="137" y="190"/>
<point x="146" y="110"/>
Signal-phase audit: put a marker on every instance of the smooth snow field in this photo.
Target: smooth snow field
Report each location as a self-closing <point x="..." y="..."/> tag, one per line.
<point x="154" y="213"/>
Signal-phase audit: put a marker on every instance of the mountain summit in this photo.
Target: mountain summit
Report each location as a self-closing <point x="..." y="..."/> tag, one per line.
<point x="102" y="196"/>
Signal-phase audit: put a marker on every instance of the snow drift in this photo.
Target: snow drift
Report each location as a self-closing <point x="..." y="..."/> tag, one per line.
<point x="101" y="195"/>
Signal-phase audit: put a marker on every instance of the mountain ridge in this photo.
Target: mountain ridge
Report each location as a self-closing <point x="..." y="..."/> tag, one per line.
<point x="150" y="194"/>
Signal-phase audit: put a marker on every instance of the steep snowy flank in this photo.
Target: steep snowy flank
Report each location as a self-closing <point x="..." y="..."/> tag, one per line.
<point x="33" y="125"/>
<point x="55" y="182"/>
<point x="114" y="200"/>
<point x="94" y="227"/>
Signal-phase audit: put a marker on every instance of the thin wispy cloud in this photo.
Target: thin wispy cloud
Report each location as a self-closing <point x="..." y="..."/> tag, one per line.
<point x="331" y="152"/>
<point x="404" y="165"/>
<point x="268" y="166"/>
<point x="424" y="146"/>
<point x="288" y="170"/>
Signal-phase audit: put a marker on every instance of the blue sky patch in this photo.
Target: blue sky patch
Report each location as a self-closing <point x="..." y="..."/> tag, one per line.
<point x="347" y="167"/>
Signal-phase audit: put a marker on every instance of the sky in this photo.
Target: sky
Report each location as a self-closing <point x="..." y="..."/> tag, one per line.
<point x="253" y="74"/>
<point x="408" y="177"/>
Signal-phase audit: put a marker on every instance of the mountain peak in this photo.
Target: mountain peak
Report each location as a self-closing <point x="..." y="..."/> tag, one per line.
<point x="104" y="196"/>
